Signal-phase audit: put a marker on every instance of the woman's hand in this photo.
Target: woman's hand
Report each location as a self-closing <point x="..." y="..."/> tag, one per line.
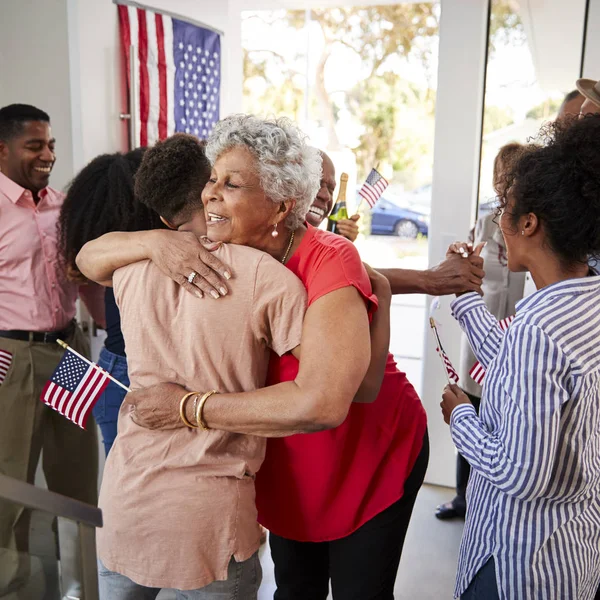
<point x="348" y="227"/>
<point x="157" y="406"/>
<point x="178" y="254"/>
<point x="465" y="249"/>
<point x="451" y="398"/>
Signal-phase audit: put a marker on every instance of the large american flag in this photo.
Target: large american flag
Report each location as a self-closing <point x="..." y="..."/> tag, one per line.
<point x="477" y="371"/>
<point x="5" y="361"/>
<point x="373" y="187"/>
<point x="179" y="74"/>
<point x="74" y="388"/>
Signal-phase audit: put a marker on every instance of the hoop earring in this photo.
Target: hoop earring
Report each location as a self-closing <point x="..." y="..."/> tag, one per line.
<point x="275" y="233"/>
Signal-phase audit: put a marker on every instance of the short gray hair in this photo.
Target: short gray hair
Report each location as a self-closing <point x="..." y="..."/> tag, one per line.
<point x="288" y="168"/>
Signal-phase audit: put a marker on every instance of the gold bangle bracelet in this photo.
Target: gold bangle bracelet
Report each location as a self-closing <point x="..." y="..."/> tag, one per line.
<point x="182" y="410"/>
<point x="200" y="409"/>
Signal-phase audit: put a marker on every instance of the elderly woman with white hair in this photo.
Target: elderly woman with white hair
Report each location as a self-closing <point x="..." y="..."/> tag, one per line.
<point x="337" y="502"/>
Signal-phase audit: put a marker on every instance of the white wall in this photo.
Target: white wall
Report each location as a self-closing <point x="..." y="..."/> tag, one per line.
<point x="35" y="69"/>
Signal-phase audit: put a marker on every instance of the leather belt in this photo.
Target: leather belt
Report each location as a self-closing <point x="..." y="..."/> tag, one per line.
<point x="46" y="337"/>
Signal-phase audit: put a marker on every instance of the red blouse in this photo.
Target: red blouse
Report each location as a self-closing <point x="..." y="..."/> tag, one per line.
<point x="323" y="486"/>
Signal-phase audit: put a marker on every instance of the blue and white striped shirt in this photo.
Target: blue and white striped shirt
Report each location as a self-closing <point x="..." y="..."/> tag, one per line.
<point x="534" y="492"/>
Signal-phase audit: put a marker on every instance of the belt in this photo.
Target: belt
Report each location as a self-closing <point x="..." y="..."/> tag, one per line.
<point x="47" y="337"/>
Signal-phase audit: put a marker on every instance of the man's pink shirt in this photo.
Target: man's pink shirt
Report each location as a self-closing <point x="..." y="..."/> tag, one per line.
<point x="34" y="292"/>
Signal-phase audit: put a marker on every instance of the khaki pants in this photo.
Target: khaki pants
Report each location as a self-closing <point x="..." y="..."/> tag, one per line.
<point x="28" y="426"/>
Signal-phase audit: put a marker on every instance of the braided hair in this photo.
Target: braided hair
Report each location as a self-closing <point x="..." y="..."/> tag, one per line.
<point x="100" y="199"/>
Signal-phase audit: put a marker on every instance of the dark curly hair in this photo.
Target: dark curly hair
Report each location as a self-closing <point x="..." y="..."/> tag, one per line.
<point x="172" y="176"/>
<point x="100" y="199"/>
<point x="559" y="181"/>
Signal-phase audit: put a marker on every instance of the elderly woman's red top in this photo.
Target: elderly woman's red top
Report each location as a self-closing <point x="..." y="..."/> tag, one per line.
<point x="323" y="486"/>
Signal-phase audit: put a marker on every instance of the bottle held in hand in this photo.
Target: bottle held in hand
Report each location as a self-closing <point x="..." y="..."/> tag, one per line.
<point x="339" y="211"/>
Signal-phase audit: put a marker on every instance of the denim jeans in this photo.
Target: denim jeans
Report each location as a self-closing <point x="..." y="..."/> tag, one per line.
<point x="243" y="581"/>
<point x="106" y="410"/>
<point x="483" y="586"/>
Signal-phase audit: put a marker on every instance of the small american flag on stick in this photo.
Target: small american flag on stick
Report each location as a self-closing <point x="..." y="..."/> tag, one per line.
<point x="75" y="386"/>
<point x="451" y="373"/>
<point x="477" y="371"/>
<point x="373" y="187"/>
<point x="5" y="361"/>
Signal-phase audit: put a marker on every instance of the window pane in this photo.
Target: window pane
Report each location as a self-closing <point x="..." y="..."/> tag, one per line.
<point x="534" y="59"/>
<point x="361" y="82"/>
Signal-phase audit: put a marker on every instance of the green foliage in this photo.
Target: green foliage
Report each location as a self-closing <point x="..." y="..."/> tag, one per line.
<point x="506" y="27"/>
<point x="395" y="116"/>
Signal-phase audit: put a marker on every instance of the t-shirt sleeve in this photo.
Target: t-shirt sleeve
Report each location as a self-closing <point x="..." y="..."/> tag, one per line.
<point x="338" y="266"/>
<point x="120" y="276"/>
<point x="279" y="304"/>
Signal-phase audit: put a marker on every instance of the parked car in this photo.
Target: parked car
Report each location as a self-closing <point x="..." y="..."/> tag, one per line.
<point x="388" y="218"/>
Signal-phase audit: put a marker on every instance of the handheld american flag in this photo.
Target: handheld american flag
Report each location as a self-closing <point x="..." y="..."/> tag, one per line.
<point x="75" y="387"/>
<point x="451" y="373"/>
<point x="179" y="74"/>
<point x="477" y="371"/>
<point x="373" y="187"/>
<point x="5" y="361"/>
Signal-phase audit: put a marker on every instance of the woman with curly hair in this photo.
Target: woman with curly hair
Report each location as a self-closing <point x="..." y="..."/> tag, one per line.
<point x="532" y="528"/>
<point x="101" y="199"/>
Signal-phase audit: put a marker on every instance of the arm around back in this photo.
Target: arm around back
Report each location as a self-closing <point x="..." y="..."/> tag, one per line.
<point x="336" y="352"/>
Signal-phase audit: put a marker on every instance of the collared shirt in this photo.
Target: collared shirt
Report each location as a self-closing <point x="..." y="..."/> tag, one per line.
<point x="179" y="503"/>
<point x="535" y="448"/>
<point x="34" y="292"/>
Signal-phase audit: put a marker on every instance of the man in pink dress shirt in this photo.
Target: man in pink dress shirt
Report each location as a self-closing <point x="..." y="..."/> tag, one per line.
<point x="37" y="306"/>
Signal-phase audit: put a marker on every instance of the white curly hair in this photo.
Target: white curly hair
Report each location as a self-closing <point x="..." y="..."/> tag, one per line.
<point x="288" y="168"/>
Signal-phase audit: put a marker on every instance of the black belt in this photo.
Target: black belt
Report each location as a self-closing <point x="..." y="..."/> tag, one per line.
<point x="48" y="337"/>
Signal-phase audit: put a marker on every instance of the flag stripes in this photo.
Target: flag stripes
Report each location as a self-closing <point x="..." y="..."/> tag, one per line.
<point x="477" y="371"/>
<point x="373" y="187"/>
<point x="5" y="362"/>
<point x="74" y="388"/>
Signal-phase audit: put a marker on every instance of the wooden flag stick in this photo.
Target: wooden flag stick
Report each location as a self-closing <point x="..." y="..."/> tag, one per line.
<point x="89" y="362"/>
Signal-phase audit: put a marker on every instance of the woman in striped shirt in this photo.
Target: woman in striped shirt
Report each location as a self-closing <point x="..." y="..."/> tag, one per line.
<point x="533" y="520"/>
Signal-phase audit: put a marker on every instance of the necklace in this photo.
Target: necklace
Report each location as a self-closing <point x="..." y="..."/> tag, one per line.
<point x="287" y="252"/>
